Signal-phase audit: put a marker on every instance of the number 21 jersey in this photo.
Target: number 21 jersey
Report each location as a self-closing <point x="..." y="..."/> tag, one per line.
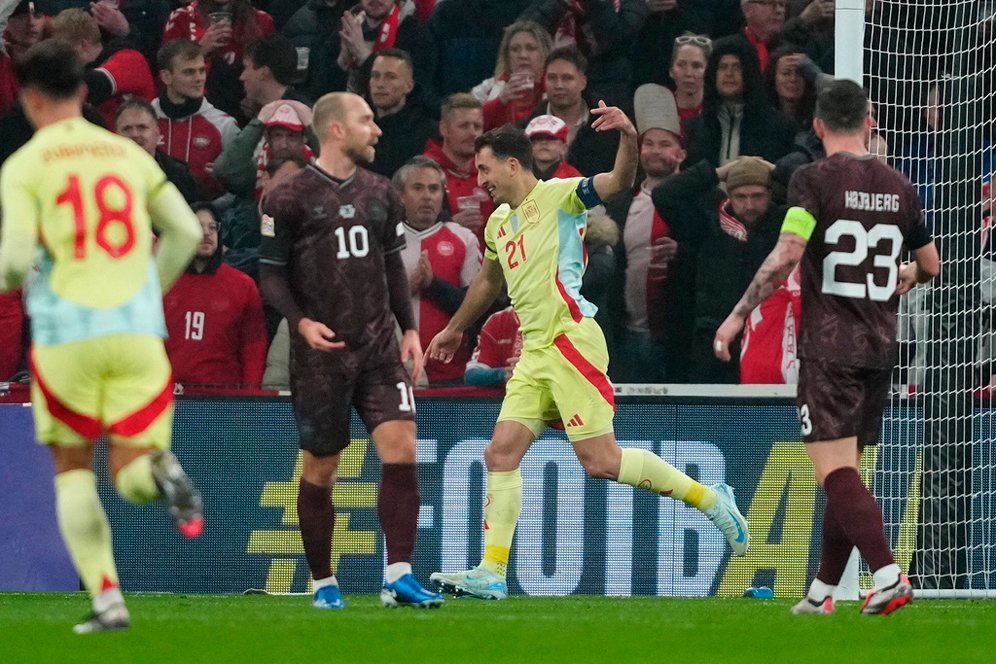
<point x="865" y="212"/>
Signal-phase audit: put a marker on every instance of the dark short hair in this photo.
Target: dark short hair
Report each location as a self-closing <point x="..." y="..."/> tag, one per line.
<point x="568" y="54"/>
<point x="134" y="104"/>
<point x="197" y="206"/>
<point x="507" y="142"/>
<point x="276" y="163"/>
<point x="843" y="106"/>
<point x="52" y="68"/>
<point x="400" y="54"/>
<point x="184" y="49"/>
<point x="276" y="52"/>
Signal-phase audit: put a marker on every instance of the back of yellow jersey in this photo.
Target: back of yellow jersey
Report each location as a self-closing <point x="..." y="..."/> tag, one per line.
<point x="86" y="192"/>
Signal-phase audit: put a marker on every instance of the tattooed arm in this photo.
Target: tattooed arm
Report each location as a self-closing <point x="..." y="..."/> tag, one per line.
<point x="770" y="276"/>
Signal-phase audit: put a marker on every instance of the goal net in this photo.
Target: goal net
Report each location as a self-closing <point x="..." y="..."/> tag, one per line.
<point x="929" y="71"/>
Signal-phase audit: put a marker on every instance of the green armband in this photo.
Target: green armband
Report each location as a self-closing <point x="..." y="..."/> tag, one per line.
<point x="800" y="222"/>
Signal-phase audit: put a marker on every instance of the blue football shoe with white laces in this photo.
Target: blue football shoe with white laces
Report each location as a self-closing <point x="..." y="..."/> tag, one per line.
<point x="406" y="591"/>
<point x="329" y="597"/>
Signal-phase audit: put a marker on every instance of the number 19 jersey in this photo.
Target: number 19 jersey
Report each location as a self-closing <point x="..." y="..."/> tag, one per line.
<point x="83" y="191"/>
<point x="540" y="247"/>
<point x="857" y="214"/>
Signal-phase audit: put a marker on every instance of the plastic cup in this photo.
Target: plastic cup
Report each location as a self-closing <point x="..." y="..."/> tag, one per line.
<point x="468" y="203"/>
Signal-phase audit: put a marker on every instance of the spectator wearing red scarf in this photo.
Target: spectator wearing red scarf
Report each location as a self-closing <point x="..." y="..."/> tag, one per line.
<point x="374" y="25"/>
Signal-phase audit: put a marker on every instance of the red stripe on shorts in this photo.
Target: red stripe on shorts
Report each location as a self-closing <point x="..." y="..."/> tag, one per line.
<point x="86" y="426"/>
<point x="572" y="306"/>
<point x="587" y="369"/>
<point x="141" y="419"/>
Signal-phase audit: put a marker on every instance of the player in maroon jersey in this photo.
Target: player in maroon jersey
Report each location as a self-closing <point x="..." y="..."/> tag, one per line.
<point x="850" y="217"/>
<point x="330" y="262"/>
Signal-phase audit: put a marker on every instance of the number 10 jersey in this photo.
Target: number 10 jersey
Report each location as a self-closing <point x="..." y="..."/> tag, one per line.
<point x="857" y="214"/>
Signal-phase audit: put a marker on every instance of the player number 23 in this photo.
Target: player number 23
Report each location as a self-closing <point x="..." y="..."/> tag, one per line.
<point x="865" y="241"/>
<point x="112" y="211"/>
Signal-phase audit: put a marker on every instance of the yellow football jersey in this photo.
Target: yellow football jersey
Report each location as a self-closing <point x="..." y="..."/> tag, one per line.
<point x="540" y="247"/>
<point x="84" y="193"/>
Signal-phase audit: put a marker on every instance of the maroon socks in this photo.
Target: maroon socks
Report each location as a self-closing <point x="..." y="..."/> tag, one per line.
<point x="858" y="517"/>
<point x="397" y="507"/>
<point x="316" y="516"/>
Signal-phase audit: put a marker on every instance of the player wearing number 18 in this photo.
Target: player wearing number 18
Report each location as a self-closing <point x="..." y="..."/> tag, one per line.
<point x="330" y="262"/>
<point x="82" y="202"/>
<point x="850" y="217"/>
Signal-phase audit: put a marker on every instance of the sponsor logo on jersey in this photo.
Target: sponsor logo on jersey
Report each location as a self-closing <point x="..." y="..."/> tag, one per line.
<point x="501" y="231"/>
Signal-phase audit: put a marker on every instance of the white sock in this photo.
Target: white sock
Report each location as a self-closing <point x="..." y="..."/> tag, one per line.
<point x="321" y="583"/>
<point x="107" y="599"/>
<point x="819" y="590"/>
<point x="886" y="576"/>
<point x="395" y="571"/>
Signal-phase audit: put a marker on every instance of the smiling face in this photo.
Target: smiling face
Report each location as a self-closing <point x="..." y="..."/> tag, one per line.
<point x="495" y="175"/>
<point x="140" y="126"/>
<point x="185" y="78"/>
<point x="660" y="153"/>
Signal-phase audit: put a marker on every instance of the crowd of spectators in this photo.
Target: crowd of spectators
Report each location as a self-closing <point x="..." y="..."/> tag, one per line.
<point x="220" y="93"/>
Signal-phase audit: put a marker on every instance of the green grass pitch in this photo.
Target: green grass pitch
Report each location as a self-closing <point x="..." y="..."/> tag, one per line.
<point x="36" y="627"/>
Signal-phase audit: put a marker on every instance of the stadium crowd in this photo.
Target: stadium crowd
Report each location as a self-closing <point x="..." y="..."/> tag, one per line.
<point x="722" y="94"/>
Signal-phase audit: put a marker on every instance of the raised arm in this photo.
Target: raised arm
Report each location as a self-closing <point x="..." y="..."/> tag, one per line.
<point x="623" y="173"/>
<point x="770" y="276"/>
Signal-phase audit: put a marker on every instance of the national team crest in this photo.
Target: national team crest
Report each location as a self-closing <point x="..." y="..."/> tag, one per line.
<point x="531" y="212"/>
<point x="347" y="211"/>
<point x="201" y="142"/>
<point x="445" y="248"/>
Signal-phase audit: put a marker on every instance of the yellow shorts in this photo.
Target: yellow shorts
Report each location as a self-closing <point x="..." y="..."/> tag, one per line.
<point x="119" y="384"/>
<point x="563" y="385"/>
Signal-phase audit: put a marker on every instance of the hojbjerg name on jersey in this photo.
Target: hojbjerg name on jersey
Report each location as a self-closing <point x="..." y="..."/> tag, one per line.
<point x="863" y="200"/>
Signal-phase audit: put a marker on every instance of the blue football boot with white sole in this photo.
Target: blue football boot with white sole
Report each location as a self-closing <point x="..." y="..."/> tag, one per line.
<point x="406" y="591"/>
<point x="477" y="582"/>
<point x="729" y="520"/>
<point x="329" y="597"/>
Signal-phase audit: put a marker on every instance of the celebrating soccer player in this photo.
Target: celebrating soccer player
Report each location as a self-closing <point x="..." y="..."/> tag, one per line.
<point x="86" y="201"/>
<point x="535" y="243"/>
<point x="850" y="217"/>
<point x="330" y="262"/>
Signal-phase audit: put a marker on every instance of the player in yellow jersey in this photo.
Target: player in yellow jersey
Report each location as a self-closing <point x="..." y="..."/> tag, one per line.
<point x="81" y="203"/>
<point x="534" y="241"/>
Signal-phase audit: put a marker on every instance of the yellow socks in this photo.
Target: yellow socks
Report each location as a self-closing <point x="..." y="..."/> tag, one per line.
<point x="645" y="470"/>
<point x="135" y="482"/>
<point x="85" y="530"/>
<point x="501" y="512"/>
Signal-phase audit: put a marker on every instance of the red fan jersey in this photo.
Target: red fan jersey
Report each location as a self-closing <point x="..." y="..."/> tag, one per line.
<point x="455" y="257"/>
<point x="217" y="333"/>
<point x="769" y="355"/>
<point x="190" y="23"/>
<point x="11" y="325"/>
<point x="197" y="140"/>
<point x="130" y="76"/>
